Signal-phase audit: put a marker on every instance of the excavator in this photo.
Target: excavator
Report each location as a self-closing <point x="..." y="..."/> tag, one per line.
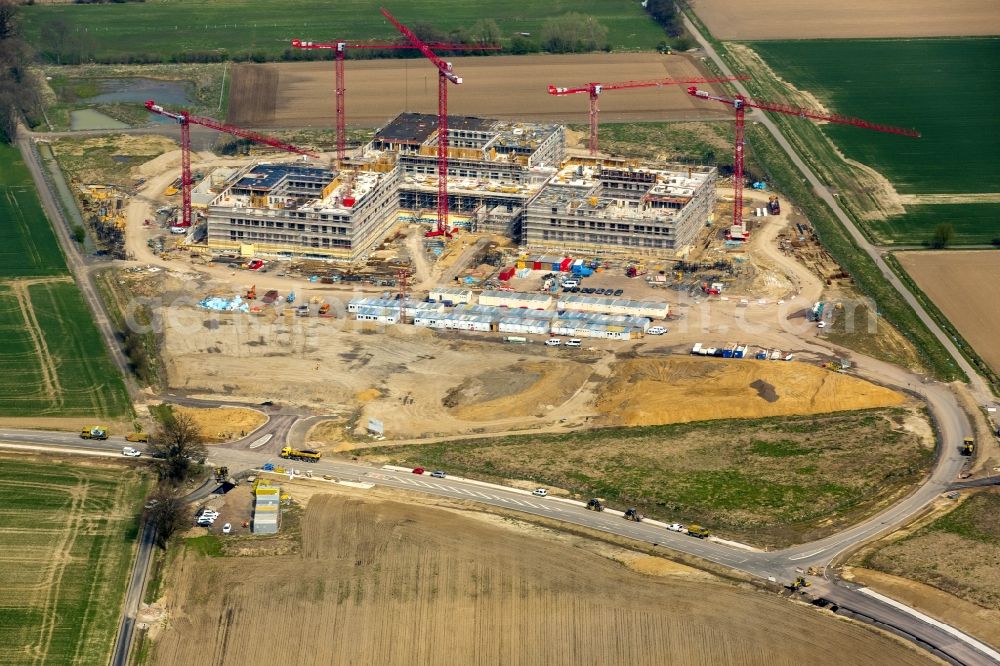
<point x="596" y="504"/>
<point x="252" y="293"/>
<point x="632" y="514"/>
<point x="968" y="446"/>
<point x="798" y="583"/>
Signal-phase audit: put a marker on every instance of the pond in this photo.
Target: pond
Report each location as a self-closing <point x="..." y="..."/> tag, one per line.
<point x="167" y="93"/>
<point x="89" y="119"/>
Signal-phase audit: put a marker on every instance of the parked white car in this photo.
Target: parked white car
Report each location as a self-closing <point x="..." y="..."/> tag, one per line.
<point x="655" y="330"/>
<point x="574" y="342"/>
<point x="540" y="492"/>
<point x="131" y="452"/>
<point x="227" y="528"/>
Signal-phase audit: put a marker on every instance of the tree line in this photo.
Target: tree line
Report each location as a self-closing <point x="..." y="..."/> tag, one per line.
<point x="19" y="96"/>
<point x="61" y="43"/>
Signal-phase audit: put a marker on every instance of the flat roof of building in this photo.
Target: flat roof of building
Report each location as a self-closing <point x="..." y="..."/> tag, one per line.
<point x="265" y="176"/>
<point x="415" y="128"/>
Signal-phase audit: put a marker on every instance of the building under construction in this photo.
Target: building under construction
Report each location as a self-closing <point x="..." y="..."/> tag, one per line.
<point x="504" y="177"/>
<point x="619" y="207"/>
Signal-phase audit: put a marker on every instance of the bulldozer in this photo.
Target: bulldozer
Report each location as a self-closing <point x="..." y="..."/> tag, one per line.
<point x="221" y="474"/>
<point x="596" y="504"/>
<point x="798" y="583"/>
<point x="632" y="514"/>
<point x="968" y="446"/>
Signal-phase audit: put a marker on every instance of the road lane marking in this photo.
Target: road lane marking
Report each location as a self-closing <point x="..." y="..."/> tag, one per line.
<point x="805" y="555"/>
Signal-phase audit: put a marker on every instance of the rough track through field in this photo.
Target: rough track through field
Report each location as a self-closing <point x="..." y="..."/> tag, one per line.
<point x="47" y="364"/>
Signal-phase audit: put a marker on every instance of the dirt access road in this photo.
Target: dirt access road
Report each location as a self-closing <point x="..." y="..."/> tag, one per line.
<point x="504" y="87"/>
<point x="818" y="19"/>
<point x="478" y="588"/>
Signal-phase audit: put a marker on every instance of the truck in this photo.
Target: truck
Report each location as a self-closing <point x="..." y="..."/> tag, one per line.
<point x="698" y="531"/>
<point x="270" y="297"/>
<point x="94" y="432"/>
<point x="137" y="437"/>
<point x="968" y="446"/>
<point x="305" y="455"/>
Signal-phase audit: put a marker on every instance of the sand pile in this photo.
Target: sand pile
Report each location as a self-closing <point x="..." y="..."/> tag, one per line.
<point x="219" y="424"/>
<point x="657" y="391"/>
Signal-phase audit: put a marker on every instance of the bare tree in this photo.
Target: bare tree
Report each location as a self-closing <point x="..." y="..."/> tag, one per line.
<point x="178" y="448"/>
<point x="167" y="513"/>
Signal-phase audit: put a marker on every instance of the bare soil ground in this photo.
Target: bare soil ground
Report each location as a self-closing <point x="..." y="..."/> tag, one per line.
<point x="506" y="87"/>
<point x="676" y="390"/>
<point x="814" y="19"/>
<point x="956" y="283"/>
<point x="480" y="589"/>
<point x="219" y="424"/>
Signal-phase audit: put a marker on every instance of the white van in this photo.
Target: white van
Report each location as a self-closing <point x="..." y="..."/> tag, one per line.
<point x="553" y="342"/>
<point x="130" y="452"/>
<point x="571" y="283"/>
<point x="655" y="330"/>
<point x="573" y="342"/>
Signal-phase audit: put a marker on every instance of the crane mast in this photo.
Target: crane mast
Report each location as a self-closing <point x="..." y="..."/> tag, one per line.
<point x="339" y="48"/>
<point x="738" y="231"/>
<point x="185" y="120"/>
<point x="594" y="90"/>
<point x="445" y="74"/>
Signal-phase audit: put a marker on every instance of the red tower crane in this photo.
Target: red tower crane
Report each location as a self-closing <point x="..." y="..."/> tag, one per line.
<point x="740" y="103"/>
<point x="445" y="74"/>
<point x="339" y="47"/>
<point x="185" y="120"/>
<point x="595" y="90"/>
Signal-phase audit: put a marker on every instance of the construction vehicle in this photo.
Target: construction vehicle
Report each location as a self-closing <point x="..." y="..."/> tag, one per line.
<point x="94" y="432"/>
<point x="632" y="514"/>
<point x="221" y="474"/>
<point x="252" y="292"/>
<point x="698" y="531"/>
<point x="595" y="504"/>
<point x="324" y="309"/>
<point x="968" y="446"/>
<point x="305" y="455"/>
<point x="137" y="436"/>
<point x="773" y="206"/>
<point x="798" y="583"/>
<point x="290" y="298"/>
<point x="270" y="296"/>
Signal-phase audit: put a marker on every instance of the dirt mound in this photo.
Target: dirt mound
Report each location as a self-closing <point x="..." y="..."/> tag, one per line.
<point x="657" y="391"/>
<point x="531" y="388"/>
<point x="219" y="424"/>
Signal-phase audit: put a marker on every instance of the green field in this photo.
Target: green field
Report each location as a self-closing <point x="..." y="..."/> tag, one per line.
<point x="28" y="246"/>
<point x="948" y="89"/>
<point x="68" y="535"/>
<point x="53" y="361"/>
<point x="767" y="481"/>
<point x="169" y="27"/>
<point x="975" y="223"/>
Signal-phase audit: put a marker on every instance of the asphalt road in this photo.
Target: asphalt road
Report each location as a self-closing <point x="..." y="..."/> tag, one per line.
<point x="133" y="595"/>
<point x="780" y="565"/>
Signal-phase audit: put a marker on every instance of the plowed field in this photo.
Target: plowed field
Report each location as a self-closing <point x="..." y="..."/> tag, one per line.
<point x="956" y="282"/>
<point x="811" y="19"/>
<point x="382" y="582"/>
<point x="507" y="87"/>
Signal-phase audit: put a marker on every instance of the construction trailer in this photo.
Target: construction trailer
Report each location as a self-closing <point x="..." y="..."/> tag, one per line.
<point x="619" y="306"/>
<point x="516" y="299"/>
<point x="266" y="509"/>
<point x="450" y="295"/>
